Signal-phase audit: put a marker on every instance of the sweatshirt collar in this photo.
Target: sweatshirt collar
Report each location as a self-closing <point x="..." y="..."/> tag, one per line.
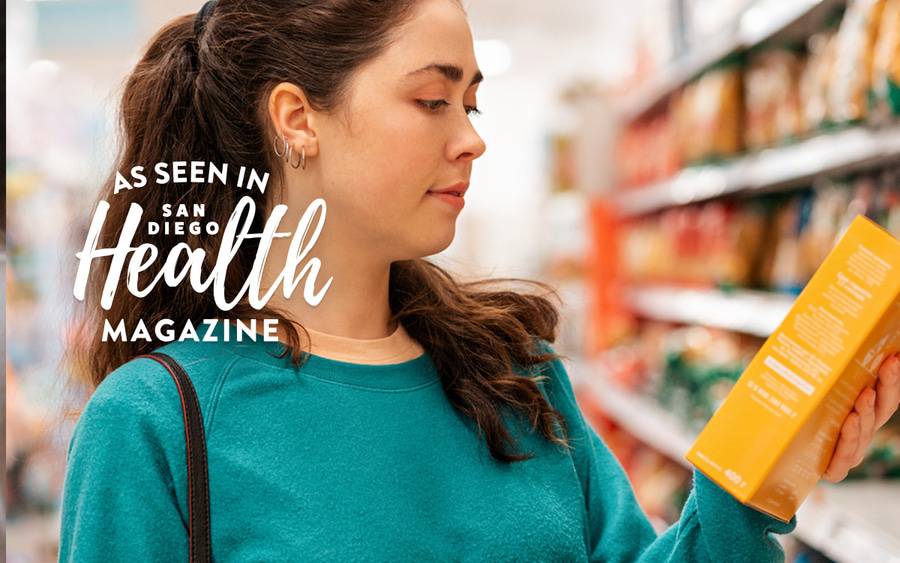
<point x="393" y="363"/>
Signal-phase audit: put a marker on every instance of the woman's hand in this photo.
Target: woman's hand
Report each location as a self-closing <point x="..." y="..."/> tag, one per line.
<point x="872" y="409"/>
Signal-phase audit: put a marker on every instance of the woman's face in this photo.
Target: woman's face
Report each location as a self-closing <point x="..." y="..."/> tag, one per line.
<point x="377" y="160"/>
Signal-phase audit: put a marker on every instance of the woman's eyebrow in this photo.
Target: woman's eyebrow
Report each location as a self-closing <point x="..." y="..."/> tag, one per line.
<point x="450" y="71"/>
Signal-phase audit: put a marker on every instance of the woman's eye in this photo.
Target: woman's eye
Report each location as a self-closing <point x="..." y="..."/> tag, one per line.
<point x="435" y="105"/>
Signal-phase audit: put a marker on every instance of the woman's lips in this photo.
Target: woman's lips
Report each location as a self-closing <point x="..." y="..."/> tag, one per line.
<point x="456" y="201"/>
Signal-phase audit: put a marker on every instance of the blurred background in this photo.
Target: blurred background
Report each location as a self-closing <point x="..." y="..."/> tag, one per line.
<point x="676" y="168"/>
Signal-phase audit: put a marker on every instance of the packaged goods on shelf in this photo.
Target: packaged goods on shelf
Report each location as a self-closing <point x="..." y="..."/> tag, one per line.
<point x="801" y="385"/>
<point x="782" y="268"/>
<point x="816" y="77"/>
<point x="687" y="369"/>
<point x="773" y="94"/>
<point x="690" y="369"/>
<point x="772" y="98"/>
<point x="715" y="244"/>
<point x="771" y="242"/>
<point x="885" y="92"/>
<point x="636" y="362"/>
<point x="701" y="123"/>
<point x="734" y="263"/>
<point x="646" y="150"/>
<point x="855" y="50"/>
<point x="701" y="366"/>
<point x="709" y="112"/>
<point x="833" y="204"/>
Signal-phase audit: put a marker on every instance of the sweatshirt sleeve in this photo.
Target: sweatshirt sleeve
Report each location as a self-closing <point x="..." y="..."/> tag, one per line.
<point x="119" y="502"/>
<point x="714" y="526"/>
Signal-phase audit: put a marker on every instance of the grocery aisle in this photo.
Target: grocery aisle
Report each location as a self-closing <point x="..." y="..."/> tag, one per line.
<point x="741" y="155"/>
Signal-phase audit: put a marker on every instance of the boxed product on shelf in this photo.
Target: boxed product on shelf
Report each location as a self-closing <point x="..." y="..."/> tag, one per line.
<point x="771" y="440"/>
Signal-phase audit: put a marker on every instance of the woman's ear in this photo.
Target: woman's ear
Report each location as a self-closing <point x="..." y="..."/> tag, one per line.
<point x="289" y="112"/>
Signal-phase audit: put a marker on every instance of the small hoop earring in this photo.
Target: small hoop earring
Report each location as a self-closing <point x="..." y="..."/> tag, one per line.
<point x="300" y="162"/>
<point x="275" y="146"/>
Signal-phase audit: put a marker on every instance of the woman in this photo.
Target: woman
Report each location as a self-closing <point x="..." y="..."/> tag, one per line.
<point x="433" y="420"/>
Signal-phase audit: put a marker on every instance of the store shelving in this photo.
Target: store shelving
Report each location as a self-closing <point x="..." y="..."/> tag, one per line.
<point x="853" y="521"/>
<point x="849" y="521"/>
<point x="771" y="169"/>
<point x="675" y="75"/>
<point x="751" y="312"/>
<point x="637" y="414"/>
<point x="766" y="19"/>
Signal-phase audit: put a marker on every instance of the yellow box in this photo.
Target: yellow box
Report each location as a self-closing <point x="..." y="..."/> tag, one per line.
<point x="771" y="440"/>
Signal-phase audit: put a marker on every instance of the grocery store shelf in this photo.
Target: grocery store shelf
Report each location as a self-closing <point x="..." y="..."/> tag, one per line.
<point x="850" y="521"/>
<point x="853" y="521"/>
<point x="672" y="77"/>
<point x="751" y="312"/>
<point x="768" y="170"/>
<point x="640" y="416"/>
<point x="766" y="19"/>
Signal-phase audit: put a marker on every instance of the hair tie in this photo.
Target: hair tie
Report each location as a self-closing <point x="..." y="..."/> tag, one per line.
<point x="202" y="15"/>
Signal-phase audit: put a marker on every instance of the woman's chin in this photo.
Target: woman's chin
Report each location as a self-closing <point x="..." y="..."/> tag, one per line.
<point x="439" y="238"/>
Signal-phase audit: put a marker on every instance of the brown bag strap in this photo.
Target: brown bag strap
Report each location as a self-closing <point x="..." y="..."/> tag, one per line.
<point x="198" y="476"/>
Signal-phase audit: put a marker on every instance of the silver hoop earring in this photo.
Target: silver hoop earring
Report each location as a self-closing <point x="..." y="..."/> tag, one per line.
<point x="300" y="162"/>
<point x="275" y="146"/>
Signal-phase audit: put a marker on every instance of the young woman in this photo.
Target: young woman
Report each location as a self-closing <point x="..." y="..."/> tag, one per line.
<point x="432" y="419"/>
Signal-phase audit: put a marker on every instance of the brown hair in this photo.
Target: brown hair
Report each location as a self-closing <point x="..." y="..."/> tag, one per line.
<point x="202" y="98"/>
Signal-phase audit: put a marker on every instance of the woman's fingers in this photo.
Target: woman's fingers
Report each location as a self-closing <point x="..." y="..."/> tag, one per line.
<point x="845" y="451"/>
<point x="865" y="408"/>
<point x="888" y="388"/>
<point x="871" y="410"/>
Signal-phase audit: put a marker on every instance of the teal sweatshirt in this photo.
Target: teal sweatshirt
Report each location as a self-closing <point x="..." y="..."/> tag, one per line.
<point x="349" y="462"/>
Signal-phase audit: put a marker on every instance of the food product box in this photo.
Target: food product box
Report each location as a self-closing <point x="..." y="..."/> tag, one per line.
<point x="771" y="440"/>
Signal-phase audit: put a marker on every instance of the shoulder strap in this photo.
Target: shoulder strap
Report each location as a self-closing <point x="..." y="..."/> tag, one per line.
<point x="198" y="477"/>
